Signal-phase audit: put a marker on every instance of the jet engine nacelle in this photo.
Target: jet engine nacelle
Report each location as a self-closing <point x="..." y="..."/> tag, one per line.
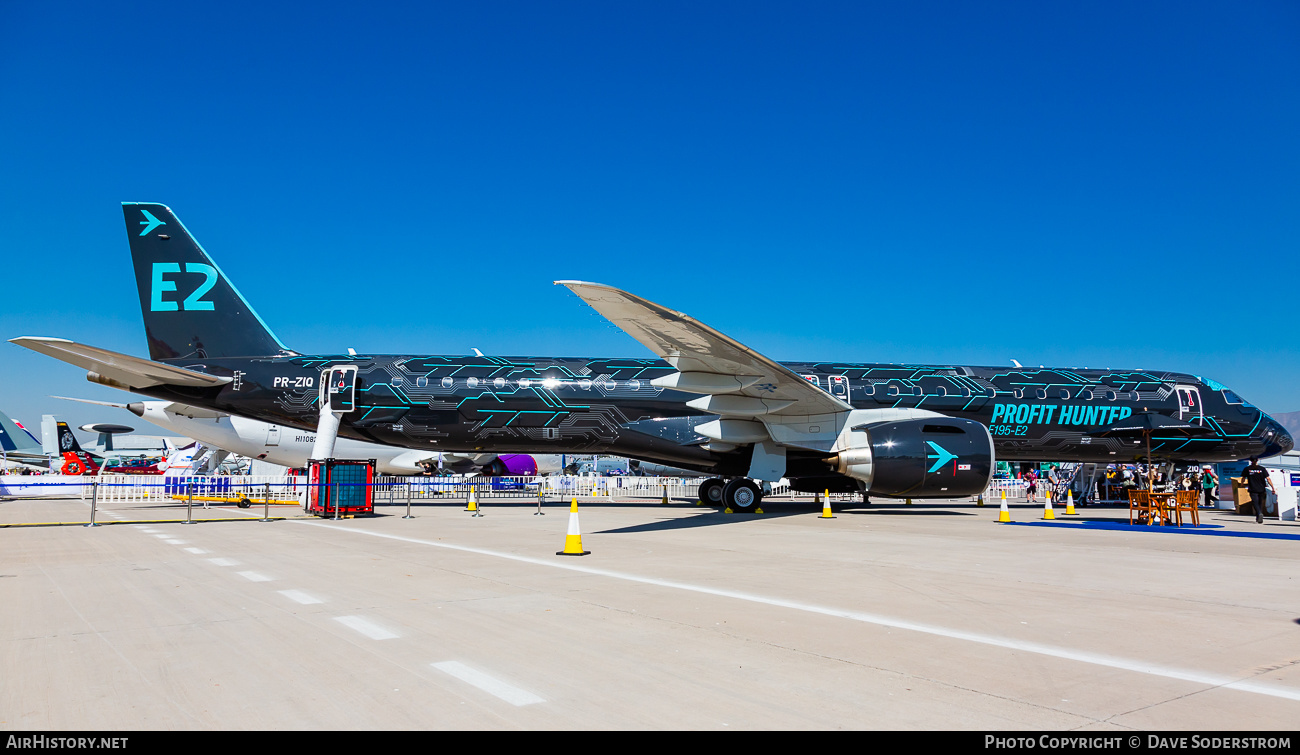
<point x="934" y="457"/>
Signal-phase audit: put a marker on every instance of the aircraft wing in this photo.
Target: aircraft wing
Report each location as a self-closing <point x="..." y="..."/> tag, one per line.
<point x="709" y="359"/>
<point x="128" y="371"/>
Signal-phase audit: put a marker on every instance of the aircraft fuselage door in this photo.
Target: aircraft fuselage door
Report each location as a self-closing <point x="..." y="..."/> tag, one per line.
<point x="839" y="387"/>
<point x="273" y="435"/>
<point x="1189" y="404"/>
<point x="339" y="388"/>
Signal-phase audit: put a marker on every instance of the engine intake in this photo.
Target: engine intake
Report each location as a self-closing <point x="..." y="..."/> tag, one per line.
<point x="935" y="457"/>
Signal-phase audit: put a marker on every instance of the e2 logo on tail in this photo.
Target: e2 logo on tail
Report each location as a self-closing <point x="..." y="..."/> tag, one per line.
<point x="194" y="301"/>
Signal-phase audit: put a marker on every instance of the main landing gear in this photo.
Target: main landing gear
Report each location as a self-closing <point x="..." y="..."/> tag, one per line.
<point x="740" y="495"/>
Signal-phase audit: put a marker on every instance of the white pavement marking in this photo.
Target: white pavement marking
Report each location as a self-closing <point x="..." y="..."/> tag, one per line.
<point x="195" y="551"/>
<point x="366" y="627"/>
<point x="1127" y="664"/>
<point x="224" y="561"/>
<point x="509" y="693"/>
<point x="176" y="542"/>
<point x="253" y="576"/>
<point x="162" y="536"/>
<point x="299" y="596"/>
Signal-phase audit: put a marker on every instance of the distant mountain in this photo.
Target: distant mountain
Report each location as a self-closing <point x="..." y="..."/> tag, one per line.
<point x="1291" y="421"/>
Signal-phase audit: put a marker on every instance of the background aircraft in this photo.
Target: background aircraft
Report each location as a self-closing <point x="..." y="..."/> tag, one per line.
<point x="291" y="447"/>
<point x="17" y="445"/>
<point x="708" y="403"/>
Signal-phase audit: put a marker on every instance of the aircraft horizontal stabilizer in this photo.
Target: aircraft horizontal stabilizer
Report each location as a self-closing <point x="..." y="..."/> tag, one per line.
<point x="709" y="362"/>
<point x="118" y="370"/>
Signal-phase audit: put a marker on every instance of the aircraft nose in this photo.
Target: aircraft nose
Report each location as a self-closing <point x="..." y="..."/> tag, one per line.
<point x="1282" y="438"/>
<point x="1277" y="440"/>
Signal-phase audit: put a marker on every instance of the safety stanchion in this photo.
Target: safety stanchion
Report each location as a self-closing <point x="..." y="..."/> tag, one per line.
<point x="94" y="501"/>
<point x="540" y="497"/>
<point x="826" y="507"/>
<point x="1047" y="506"/>
<point x="335" y="499"/>
<point x="573" y="539"/>
<point x="1069" y="503"/>
<point x="189" y="503"/>
<point x="266" y="503"/>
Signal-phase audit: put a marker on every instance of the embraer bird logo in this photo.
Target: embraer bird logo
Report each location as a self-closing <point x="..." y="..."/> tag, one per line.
<point x="150" y="223"/>
<point x="942" y="456"/>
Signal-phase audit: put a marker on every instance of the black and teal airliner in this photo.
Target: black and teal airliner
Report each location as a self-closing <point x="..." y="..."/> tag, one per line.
<point x="708" y="403"/>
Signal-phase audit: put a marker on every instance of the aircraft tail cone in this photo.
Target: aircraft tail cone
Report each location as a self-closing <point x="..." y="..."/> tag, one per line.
<point x="1069" y="503"/>
<point x="573" y="540"/>
<point x="1004" y="514"/>
<point x="826" y="506"/>
<point x="1047" y="506"/>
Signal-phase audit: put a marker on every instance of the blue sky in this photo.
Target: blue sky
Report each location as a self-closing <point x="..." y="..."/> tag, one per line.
<point x="1103" y="185"/>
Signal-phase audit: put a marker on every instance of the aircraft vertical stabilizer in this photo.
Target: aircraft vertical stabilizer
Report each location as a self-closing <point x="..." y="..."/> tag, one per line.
<point x="190" y="308"/>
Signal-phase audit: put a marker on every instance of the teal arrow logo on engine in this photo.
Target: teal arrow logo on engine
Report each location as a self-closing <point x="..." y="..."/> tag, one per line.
<point x="151" y="223"/>
<point x="942" y="456"/>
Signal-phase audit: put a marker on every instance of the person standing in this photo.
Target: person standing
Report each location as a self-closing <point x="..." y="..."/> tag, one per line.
<point x="1256" y="477"/>
<point x="1210" y="484"/>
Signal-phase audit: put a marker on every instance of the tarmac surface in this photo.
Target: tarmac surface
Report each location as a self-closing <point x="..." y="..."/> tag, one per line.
<point x="889" y="616"/>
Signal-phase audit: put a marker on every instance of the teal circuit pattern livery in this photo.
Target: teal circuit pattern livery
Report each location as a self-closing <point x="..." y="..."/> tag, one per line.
<point x="708" y="403"/>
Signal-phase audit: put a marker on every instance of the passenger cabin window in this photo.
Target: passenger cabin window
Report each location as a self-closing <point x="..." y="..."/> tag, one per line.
<point x="397" y="381"/>
<point x="499" y="383"/>
<point x="634" y="385"/>
<point x="941" y="391"/>
<point x="1063" y="394"/>
<point x="891" y="390"/>
<point x="584" y="384"/>
<point x="422" y="382"/>
<point x="1019" y="393"/>
<point x="447" y="382"/>
<point x="1111" y="395"/>
<point x="1040" y="393"/>
<point x="471" y="382"/>
<point x="1086" y="395"/>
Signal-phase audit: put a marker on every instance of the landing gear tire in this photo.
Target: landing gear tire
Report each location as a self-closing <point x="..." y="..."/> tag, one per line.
<point x="742" y="495"/>
<point x="244" y="503"/>
<point x="711" y="491"/>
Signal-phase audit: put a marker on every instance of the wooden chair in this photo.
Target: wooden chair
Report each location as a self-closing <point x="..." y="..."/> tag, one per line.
<point x="1139" y="502"/>
<point x="1189" y="501"/>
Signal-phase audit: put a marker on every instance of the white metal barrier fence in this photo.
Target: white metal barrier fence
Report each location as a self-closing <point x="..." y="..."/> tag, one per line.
<point x="140" y="488"/>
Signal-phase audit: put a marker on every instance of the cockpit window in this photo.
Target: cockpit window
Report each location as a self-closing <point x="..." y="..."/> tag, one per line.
<point x="1233" y="398"/>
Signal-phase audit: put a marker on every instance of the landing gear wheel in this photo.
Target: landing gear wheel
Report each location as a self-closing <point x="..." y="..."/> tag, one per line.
<point x="711" y="492"/>
<point x="742" y="495"/>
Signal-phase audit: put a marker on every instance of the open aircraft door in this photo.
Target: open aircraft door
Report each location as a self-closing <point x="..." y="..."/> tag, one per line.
<point x="1189" y="404"/>
<point x="339" y="389"/>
